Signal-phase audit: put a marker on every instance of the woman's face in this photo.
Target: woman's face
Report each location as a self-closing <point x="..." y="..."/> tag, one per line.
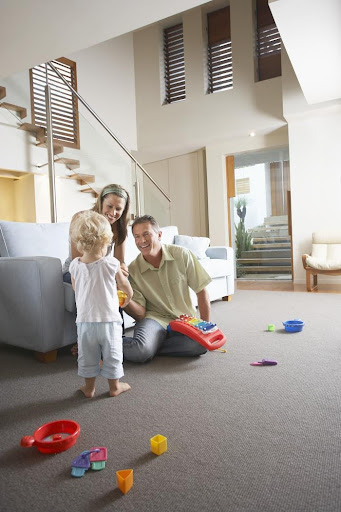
<point x="112" y="207"/>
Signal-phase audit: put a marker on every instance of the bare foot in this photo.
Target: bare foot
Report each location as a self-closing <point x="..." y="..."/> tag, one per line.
<point x="74" y="350"/>
<point x="119" y="388"/>
<point x="89" y="393"/>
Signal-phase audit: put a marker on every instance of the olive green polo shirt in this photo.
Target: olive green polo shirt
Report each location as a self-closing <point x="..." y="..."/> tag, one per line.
<point x="164" y="291"/>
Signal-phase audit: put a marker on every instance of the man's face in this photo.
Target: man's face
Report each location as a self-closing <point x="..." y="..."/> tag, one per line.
<point x="147" y="240"/>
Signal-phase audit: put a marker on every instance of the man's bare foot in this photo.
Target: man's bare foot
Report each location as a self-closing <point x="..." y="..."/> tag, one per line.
<point x="74" y="350"/>
<point x="119" y="388"/>
<point x="89" y="393"/>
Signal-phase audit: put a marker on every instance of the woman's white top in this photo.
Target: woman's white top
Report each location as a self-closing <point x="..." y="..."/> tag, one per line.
<point x="95" y="290"/>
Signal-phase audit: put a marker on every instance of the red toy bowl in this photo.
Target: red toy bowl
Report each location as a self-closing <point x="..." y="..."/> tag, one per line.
<point x="54" y="437"/>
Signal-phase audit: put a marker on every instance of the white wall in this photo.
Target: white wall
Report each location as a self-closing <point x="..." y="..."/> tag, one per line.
<point x="314" y="141"/>
<point x="201" y="120"/>
<point x="183" y="178"/>
<point x="219" y="122"/>
<point x="106" y="81"/>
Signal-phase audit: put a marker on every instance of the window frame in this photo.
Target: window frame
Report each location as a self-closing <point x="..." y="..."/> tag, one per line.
<point x="62" y="125"/>
<point x="268" y="43"/>
<point x="219" y="51"/>
<point x="174" y="64"/>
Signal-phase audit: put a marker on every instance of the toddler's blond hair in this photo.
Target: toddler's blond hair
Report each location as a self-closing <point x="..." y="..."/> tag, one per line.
<point x="91" y="231"/>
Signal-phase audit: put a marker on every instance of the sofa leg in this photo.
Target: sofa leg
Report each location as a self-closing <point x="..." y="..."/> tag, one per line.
<point x="46" y="357"/>
<point x="228" y="298"/>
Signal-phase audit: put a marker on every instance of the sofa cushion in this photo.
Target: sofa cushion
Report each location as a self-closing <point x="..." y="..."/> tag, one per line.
<point x="215" y="268"/>
<point x="30" y="239"/>
<point x="196" y="244"/>
<point x="327" y="251"/>
<point x="323" y="264"/>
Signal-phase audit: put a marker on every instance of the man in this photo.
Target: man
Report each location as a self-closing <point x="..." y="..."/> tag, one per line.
<point x="161" y="277"/>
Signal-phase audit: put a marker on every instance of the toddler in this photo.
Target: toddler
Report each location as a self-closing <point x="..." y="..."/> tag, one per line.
<point x="99" y="324"/>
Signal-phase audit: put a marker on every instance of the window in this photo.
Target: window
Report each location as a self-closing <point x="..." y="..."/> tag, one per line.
<point x="174" y="60"/>
<point x="242" y="186"/>
<point x="268" y="43"/>
<point x="219" y="51"/>
<point x="64" y="105"/>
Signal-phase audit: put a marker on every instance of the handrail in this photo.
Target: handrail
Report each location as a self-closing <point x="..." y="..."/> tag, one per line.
<point x="107" y="129"/>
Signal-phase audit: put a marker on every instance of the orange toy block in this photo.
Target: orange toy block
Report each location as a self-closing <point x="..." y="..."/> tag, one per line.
<point x="125" y="479"/>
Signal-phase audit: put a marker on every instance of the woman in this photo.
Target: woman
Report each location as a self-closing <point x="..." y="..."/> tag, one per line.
<point x="113" y="202"/>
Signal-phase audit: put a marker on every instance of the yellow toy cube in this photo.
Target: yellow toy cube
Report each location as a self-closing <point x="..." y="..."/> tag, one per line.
<point x="158" y="444"/>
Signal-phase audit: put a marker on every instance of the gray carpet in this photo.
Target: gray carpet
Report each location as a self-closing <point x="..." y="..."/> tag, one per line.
<point x="240" y="438"/>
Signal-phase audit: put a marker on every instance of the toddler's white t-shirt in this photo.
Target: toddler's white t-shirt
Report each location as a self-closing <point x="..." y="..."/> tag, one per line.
<point x="95" y="290"/>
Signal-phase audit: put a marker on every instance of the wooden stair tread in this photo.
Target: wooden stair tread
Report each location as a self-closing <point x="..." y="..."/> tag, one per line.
<point x="276" y="220"/>
<point x="269" y="268"/>
<point x="90" y="190"/>
<point x="21" y="111"/>
<point x="2" y="92"/>
<point x="57" y="148"/>
<point x="71" y="163"/>
<point x="276" y="238"/>
<point x="271" y="245"/>
<point x="264" y="260"/>
<point x="83" y="178"/>
<point x="39" y="131"/>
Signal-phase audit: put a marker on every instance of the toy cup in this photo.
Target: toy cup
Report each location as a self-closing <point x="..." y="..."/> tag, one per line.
<point x="121" y="297"/>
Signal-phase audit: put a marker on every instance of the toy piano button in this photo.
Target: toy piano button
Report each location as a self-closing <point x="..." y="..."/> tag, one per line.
<point x="98" y="457"/>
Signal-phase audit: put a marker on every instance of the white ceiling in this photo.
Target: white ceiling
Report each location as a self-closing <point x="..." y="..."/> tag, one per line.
<point x="35" y="31"/>
<point x="311" y="33"/>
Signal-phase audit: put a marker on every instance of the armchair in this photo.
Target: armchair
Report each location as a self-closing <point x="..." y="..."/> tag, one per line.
<point x="325" y="257"/>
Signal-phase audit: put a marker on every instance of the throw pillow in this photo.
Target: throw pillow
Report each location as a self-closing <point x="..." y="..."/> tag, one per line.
<point x="196" y="244"/>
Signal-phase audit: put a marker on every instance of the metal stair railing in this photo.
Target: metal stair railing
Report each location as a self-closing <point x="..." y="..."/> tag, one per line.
<point x="109" y="131"/>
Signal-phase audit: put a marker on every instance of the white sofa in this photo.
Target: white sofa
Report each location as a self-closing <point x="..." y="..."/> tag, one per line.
<point x="37" y="310"/>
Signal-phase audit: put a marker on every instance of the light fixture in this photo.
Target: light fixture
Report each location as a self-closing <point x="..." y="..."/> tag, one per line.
<point x="252" y="134"/>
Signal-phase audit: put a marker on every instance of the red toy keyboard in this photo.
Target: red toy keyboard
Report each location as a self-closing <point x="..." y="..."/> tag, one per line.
<point x="205" y="333"/>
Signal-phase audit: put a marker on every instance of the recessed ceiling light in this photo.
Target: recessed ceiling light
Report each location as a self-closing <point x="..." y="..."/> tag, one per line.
<point x="252" y="134"/>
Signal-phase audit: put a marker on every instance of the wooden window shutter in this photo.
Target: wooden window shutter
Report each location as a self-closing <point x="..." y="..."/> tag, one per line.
<point x="174" y="59"/>
<point x="268" y="43"/>
<point x="219" y="51"/>
<point x="64" y="105"/>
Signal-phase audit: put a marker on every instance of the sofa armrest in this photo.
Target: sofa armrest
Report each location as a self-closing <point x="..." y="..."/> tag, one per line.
<point x="220" y="252"/>
<point x="32" y="302"/>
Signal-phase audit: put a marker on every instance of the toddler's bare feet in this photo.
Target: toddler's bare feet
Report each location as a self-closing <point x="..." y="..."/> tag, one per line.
<point x="119" y="388"/>
<point x="89" y="393"/>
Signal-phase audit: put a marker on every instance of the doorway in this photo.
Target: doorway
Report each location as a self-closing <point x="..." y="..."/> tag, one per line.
<point x="260" y="216"/>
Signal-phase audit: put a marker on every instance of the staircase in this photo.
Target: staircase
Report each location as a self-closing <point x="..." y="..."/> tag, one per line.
<point x="40" y="133"/>
<point x="270" y="255"/>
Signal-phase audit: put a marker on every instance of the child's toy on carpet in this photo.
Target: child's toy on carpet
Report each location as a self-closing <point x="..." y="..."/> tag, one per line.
<point x="158" y="444"/>
<point x="98" y="457"/>
<point x="271" y="327"/>
<point x="81" y="464"/>
<point x="264" y="362"/>
<point x="125" y="479"/>
<point x="295" y="325"/>
<point x="205" y="333"/>
<point x="53" y="437"/>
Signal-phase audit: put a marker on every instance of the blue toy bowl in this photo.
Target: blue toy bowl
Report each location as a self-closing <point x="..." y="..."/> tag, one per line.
<point x="293" y="325"/>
